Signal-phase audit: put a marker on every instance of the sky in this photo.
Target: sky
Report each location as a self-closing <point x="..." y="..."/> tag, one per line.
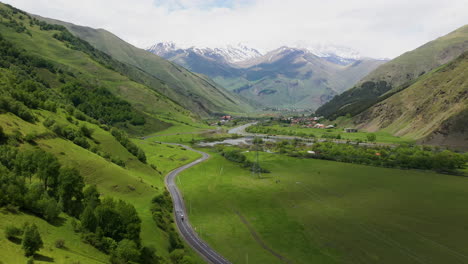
<point x="375" y="28"/>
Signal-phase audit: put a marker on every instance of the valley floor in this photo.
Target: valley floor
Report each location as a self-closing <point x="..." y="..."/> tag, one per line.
<point x="315" y="211"/>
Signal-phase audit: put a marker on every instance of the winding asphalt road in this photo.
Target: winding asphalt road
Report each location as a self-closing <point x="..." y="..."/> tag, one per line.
<point x="183" y="224"/>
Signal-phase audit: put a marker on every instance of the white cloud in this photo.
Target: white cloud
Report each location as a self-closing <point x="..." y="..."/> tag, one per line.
<point x="376" y="28"/>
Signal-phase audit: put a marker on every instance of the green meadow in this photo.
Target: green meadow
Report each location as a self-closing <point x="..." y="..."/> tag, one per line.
<point x="315" y="211"/>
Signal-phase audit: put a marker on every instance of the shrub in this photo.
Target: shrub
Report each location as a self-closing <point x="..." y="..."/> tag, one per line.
<point x="60" y="243"/>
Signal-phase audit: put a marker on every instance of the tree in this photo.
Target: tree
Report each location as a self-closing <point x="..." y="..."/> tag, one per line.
<point x="49" y="207"/>
<point x="148" y="256"/>
<point x="91" y="196"/>
<point x="47" y="168"/>
<point x="87" y="132"/>
<point x="25" y="164"/>
<point x="130" y="220"/>
<point x="371" y="137"/>
<point x="127" y="251"/>
<point x="32" y="241"/>
<point x="88" y="219"/>
<point x="70" y="191"/>
<point x="109" y="220"/>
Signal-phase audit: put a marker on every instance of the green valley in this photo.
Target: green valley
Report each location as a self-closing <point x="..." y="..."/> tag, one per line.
<point x="326" y="212"/>
<point x="110" y="153"/>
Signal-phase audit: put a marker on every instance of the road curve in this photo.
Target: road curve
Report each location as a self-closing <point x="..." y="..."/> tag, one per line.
<point x="185" y="229"/>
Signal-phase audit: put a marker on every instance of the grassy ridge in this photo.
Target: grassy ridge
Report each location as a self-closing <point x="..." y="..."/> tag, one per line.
<point x="419" y="110"/>
<point x="41" y="43"/>
<point x="397" y="74"/>
<point x="328" y="212"/>
<point x="195" y="92"/>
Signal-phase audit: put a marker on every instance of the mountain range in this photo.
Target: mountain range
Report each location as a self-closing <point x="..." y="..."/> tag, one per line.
<point x="195" y="92"/>
<point x="287" y="77"/>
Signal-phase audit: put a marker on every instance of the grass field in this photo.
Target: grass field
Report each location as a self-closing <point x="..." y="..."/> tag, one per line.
<point x="75" y="250"/>
<point x="185" y="134"/>
<point x="328" y="212"/>
<point x="165" y="157"/>
<point x="382" y="137"/>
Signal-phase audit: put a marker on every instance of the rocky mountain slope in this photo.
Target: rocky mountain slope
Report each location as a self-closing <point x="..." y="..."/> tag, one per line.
<point x="285" y="77"/>
<point x="434" y="109"/>
<point x="397" y="74"/>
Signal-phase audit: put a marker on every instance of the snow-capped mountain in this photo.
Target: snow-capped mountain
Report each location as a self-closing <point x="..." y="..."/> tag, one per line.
<point x="304" y="76"/>
<point x="229" y="53"/>
<point x="163" y="48"/>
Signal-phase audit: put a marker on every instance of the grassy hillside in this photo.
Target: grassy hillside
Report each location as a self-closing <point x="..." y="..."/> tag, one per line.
<point x="195" y="92"/>
<point x="397" y="74"/>
<point x="433" y="108"/>
<point x="61" y="104"/>
<point x="314" y="211"/>
<point x="86" y="63"/>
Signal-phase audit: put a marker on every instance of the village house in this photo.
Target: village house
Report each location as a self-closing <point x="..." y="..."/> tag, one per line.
<point x="350" y="130"/>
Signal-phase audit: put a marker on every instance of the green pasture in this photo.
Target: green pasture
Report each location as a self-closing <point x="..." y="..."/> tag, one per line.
<point x="315" y="211"/>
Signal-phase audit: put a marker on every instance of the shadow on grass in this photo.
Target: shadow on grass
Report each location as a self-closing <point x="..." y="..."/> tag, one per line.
<point x="15" y="240"/>
<point x="83" y="255"/>
<point x="40" y="257"/>
<point x="57" y="222"/>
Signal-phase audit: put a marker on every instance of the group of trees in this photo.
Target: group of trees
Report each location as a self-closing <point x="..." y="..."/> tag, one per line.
<point x="122" y="137"/>
<point x="236" y="155"/>
<point x="100" y="104"/>
<point x="31" y="240"/>
<point x="403" y="156"/>
<point x="35" y="181"/>
<point x="77" y="136"/>
<point x="162" y="210"/>
<point x="275" y="131"/>
<point x="114" y="228"/>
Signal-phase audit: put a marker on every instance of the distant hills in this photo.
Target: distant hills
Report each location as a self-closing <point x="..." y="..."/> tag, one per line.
<point x="195" y="92"/>
<point x="397" y="74"/>
<point x="285" y="77"/>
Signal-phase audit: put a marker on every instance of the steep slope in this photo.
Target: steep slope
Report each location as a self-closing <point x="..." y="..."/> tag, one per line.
<point x="433" y="109"/>
<point x="285" y="77"/>
<point x="61" y="101"/>
<point x="397" y="74"/>
<point x="193" y="91"/>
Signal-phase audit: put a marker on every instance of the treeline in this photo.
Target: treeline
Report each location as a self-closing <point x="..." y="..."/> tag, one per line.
<point x="236" y="155"/>
<point x="259" y="129"/>
<point x="100" y="104"/>
<point x="26" y="91"/>
<point x="355" y="100"/>
<point x="403" y="156"/>
<point x="162" y="210"/>
<point x="23" y="89"/>
<point x="122" y="137"/>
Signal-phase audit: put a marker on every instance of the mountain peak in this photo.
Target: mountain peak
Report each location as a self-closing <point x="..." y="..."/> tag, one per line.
<point x="229" y="53"/>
